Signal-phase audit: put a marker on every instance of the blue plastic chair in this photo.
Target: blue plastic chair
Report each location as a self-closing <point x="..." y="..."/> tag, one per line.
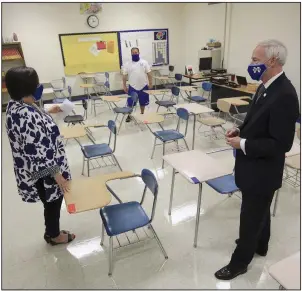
<point x="61" y="99"/>
<point x="121" y="218"/>
<point x="207" y="87"/>
<point x="170" y="135"/>
<point x="178" y="78"/>
<point x="97" y="151"/>
<point x="126" y="110"/>
<point x="98" y="96"/>
<point x="225" y="184"/>
<point x="59" y="86"/>
<point x="77" y="118"/>
<point x="169" y="103"/>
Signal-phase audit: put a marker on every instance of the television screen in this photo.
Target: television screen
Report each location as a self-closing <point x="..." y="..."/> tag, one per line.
<point x="205" y="64"/>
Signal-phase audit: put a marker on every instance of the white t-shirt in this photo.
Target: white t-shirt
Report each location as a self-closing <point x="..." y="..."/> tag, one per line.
<point x="137" y="73"/>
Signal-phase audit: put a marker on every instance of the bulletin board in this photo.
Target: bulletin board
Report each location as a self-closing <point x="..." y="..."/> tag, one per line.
<point x="152" y="43"/>
<point x="90" y="52"/>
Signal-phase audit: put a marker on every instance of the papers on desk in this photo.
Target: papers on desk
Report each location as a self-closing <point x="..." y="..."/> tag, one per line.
<point x="67" y="107"/>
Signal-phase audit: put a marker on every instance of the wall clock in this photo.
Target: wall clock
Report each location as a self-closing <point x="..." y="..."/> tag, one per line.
<point x="93" y="21"/>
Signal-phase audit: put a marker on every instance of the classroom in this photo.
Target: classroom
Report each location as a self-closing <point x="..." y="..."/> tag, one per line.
<point x="151" y="145"/>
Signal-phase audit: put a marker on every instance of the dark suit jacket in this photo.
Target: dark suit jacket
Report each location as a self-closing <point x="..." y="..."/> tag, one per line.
<point x="269" y="129"/>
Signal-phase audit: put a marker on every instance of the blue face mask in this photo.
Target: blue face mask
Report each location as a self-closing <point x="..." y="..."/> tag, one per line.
<point x="135" y="58"/>
<point x="256" y="71"/>
<point x="38" y="93"/>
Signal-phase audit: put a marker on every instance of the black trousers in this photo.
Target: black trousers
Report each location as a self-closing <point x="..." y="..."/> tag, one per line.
<point x="51" y="211"/>
<point x="255" y="225"/>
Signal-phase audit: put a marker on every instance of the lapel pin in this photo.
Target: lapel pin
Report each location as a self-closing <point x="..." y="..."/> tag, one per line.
<point x="264" y="95"/>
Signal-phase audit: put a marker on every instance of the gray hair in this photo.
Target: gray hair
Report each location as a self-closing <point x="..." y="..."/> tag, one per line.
<point x="275" y="48"/>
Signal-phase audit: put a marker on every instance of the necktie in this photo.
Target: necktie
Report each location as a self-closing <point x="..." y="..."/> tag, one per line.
<point x="260" y="91"/>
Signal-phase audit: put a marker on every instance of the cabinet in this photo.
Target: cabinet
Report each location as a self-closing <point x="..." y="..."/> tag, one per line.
<point x="12" y="56"/>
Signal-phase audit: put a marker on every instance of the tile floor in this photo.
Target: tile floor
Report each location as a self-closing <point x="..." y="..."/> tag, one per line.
<point x="29" y="263"/>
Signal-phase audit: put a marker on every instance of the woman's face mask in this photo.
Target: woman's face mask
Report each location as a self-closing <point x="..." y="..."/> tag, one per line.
<point x="38" y="93"/>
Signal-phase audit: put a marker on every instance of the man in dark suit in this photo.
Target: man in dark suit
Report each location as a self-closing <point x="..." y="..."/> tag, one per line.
<point x="261" y="142"/>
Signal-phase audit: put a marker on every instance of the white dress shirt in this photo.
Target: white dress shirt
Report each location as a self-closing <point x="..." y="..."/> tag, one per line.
<point x="266" y="85"/>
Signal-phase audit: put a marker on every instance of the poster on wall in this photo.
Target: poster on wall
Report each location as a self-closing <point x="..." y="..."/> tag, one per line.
<point x="89" y="8"/>
<point x="90" y="52"/>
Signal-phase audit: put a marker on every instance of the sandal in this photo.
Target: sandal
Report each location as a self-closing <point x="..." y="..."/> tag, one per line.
<point x="46" y="236"/>
<point x="48" y="239"/>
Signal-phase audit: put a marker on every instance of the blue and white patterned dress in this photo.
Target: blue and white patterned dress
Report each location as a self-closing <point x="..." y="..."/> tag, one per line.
<point x="37" y="150"/>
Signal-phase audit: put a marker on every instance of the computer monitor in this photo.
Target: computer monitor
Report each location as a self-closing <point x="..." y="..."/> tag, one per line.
<point x="241" y="80"/>
<point x="205" y="64"/>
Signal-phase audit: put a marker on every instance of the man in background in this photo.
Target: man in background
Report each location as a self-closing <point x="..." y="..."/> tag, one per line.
<point x="139" y="78"/>
<point x="261" y="142"/>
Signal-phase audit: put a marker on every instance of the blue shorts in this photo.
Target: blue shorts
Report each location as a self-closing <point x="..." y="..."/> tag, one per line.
<point x="143" y="97"/>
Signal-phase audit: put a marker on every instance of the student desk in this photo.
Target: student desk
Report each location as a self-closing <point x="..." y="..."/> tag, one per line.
<point x="287" y="272"/>
<point x="74" y="132"/>
<point x="163" y="79"/>
<point x="78" y="131"/>
<point x="122" y="95"/>
<point x="195" y="109"/>
<point x="188" y="90"/>
<point x="197" y="167"/>
<point x="88" y="193"/>
<point x="223" y="91"/>
<point x="111" y="99"/>
<point x="46" y="91"/>
<point x="197" y="78"/>
<point x="237" y="101"/>
<point x="156" y="92"/>
<point x="149" y="118"/>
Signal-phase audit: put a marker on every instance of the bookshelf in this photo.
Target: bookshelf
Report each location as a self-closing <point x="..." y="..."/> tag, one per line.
<point x="12" y="56"/>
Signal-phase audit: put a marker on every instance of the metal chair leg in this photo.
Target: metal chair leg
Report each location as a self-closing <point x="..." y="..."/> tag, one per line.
<point x="102" y="235"/>
<point x="172" y="191"/>
<point x="117" y="163"/>
<point x="121" y="124"/>
<point x="159" y="242"/>
<point x="163" y="163"/>
<point x="157" y="108"/>
<point x="177" y="145"/>
<point x="153" y="149"/>
<point x="88" y="169"/>
<point x="83" y="168"/>
<point x="110" y="256"/>
<point x="186" y="144"/>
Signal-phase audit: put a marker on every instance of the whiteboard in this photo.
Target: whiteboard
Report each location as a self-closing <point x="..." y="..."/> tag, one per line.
<point x="153" y="45"/>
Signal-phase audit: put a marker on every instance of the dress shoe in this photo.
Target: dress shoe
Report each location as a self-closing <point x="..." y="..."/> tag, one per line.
<point x="258" y="252"/>
<point x="228" y="273"/>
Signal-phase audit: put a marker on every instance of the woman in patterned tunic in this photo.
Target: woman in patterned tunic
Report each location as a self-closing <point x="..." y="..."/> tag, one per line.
<point x="40" y="162"/>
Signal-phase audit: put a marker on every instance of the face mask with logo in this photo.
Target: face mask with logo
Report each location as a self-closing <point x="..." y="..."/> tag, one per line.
<point x="135" y="58"/>
<point x="256" y="71"/>
<point x="38" y="93"/>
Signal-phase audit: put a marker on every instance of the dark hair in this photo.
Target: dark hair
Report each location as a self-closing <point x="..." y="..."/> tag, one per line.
<point x="134" y="48"/>
<point x="21" y="82"/>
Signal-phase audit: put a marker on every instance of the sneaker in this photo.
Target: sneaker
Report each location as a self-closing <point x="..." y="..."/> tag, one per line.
<point x="128" y="119"/>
